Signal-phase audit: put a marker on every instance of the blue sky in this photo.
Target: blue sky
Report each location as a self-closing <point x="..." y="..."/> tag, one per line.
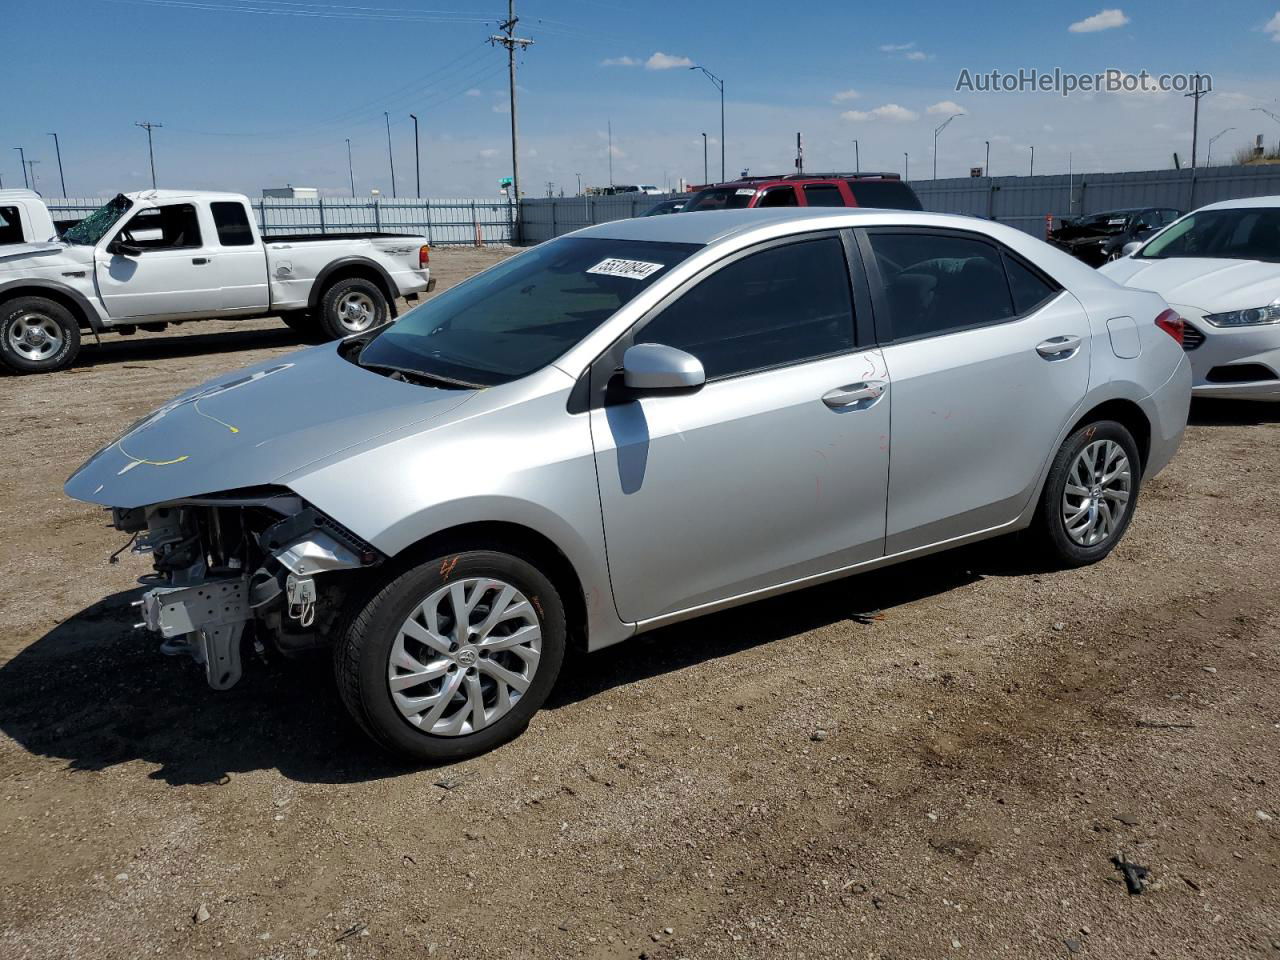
<point x="256" y="93"/>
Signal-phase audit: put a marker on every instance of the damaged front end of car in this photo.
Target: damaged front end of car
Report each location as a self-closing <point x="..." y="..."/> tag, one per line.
<point x="257" y="565"/>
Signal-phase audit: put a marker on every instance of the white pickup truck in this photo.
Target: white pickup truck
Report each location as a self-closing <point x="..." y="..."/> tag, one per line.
<point x="143" y="260"/>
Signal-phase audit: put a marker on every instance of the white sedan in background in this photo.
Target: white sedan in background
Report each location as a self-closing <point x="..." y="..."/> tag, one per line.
<point x="1219" y="267"/>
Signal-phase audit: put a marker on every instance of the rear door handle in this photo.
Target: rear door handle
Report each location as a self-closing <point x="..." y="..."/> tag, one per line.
<point x="854" y="393"/>
<point x="1057" y="346"/>
<point x="199" y="261"/>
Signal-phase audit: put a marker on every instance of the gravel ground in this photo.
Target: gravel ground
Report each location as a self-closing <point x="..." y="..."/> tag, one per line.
<point x="950" y="777"/>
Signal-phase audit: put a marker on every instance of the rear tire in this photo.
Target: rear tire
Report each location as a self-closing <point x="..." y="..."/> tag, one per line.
<point x="351" y="307"/>
<point x="1089" y="496"/>
<point x="435" y="687"/>
<point x="37" y="335"/>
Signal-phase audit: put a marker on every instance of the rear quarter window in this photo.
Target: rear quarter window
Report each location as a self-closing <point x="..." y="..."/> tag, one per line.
<point x="10" y="225"/>
<point x="888" y="194"/>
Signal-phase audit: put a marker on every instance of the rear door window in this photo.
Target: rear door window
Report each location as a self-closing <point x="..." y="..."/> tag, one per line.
<point x="1030" y="289"/>
<point x="936" y="283"/>
<point x="823" y="195"/>
<point x="779" y="197"/>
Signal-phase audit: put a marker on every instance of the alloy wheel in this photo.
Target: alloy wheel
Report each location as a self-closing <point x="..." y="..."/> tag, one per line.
<point x="35" y="336"/>
<point x="465" y="656"/>
<point x="356" y="311"/>
<point x="1099" y="485"/>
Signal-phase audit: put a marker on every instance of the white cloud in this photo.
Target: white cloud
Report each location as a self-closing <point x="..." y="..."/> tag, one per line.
<point x="896" y="47"/>
<point x="919" y="55"/>
<point x="890" y="112"/>
<point x="1102" y="20"/>
<point x="620" y="62"/>
<point x="488" y="153"/>
<point x="1273" y="28"/>
<point x="946" y="108"/>
<point x="845" y="95"/>
<point x="473" y="92"/>
<point x="665" y="61"/>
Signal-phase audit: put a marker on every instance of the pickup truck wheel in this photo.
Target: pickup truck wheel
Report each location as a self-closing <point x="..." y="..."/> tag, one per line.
<point x="352" y="306"/>
<point x="452" y="657"/>
<point x="37" y="335"/>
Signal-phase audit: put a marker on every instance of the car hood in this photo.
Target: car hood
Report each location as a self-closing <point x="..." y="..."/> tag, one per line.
<point x="252" y="427"/>
<point x="1212" y="285"/>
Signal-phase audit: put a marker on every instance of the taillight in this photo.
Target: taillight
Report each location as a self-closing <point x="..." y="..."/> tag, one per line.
<point x="424" y="257"/>
<point x="1172" y="324"/>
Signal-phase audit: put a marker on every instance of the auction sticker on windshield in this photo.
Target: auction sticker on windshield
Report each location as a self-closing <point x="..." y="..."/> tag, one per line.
<point x="630" y="269"/>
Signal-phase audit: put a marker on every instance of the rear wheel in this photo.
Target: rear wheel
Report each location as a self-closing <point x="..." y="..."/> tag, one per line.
<point x="1090" y="494"/>
<point x="37" y="335"/>
<point x="352" y="306"/>
<point x="453" y="657"/>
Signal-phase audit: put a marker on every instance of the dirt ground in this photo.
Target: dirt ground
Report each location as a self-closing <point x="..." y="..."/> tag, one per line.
<point x="948" y="778"/>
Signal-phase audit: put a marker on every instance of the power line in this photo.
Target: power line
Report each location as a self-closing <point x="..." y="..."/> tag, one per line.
<point x="225" y="6"/>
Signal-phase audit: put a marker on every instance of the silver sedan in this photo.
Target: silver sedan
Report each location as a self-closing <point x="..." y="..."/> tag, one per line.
<point x="630" y="426"/>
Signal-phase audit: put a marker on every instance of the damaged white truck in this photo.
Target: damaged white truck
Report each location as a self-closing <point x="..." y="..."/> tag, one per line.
<point x="145" y="260"/>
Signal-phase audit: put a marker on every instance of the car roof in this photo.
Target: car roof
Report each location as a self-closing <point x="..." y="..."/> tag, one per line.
<point x="1243" y="202"/>
<point x="19" y="194"/>
<point x="159" y="196"/>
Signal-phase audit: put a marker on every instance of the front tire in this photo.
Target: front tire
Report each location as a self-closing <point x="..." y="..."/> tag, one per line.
<point x="452" y="657"/>
<point x="350" y="307"/>
<point x="37" y="335"/>
<point x="1089" y="496"/>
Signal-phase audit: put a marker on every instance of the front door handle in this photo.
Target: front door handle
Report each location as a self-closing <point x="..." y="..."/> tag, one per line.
<point x="854" y="393"/>
<point x="1057" y="346"/>
<point x="199" y="261"/>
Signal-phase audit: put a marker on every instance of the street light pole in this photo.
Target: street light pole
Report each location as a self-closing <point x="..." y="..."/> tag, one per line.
<point x="579" y="176"/>
<point x="22" y="154"/>
<point x="937" y="130"/>
<point x="906" y="166"/>
<point x="857" y="161"/>
<point x="417" y="170"/>
<point x="58" y="150"/>
<point x="1208" y="160"/>
<point x="987" y="163"/>
<point x="1033" y="161"/>
<point x="720" y="86"/>
<point x="706" y="177"/>
<point x="351" y="173"/>
<point x="391" y="157"/>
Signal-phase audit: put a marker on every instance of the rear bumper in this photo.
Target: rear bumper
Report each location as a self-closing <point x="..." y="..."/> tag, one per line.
<point x="1167" y="410"/>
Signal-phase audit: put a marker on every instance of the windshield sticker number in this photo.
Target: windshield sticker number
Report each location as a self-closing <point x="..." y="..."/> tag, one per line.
<point x="745" y="191"/>
<point x="629" y="269"/>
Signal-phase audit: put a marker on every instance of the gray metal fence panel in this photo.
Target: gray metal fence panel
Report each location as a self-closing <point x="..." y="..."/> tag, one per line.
<point x="443" y="221"/>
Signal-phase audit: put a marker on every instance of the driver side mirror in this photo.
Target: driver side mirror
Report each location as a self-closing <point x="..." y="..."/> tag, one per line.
<point x="1130" y="248"/>
<point x="121" y="249"/>
<point x="654" y="366"/>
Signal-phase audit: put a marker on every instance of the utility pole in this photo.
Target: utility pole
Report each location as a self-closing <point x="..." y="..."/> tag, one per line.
<point x="417" y="170"/>
<point x="1033" y="161"/>
<point x="906" y="166"/>
<point x="149" y="126"/>
<point x="58" y="150"/>
<point x="509" y="40"/>
<point x="351" y="173"/>
<point x="857" y="161"/>
<point x="391" y="157"/>
<point x="611" y="153"/>
<point x="1195" y="95"/>
<point x="937" y="130"/>
<point x="799" y="153"/>
<point x="706" y="176"/>
<point x="22" y="154"/>
<point x="579" y="176"/>
<point x="720" y="86"/>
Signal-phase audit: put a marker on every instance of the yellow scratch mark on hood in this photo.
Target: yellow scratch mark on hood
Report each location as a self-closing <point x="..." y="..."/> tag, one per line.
<point x="138" y="461"/>
<point x="208" y="416"/>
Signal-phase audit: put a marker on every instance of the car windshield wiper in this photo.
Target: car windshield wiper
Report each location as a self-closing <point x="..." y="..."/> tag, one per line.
<point x="423" y="379"/>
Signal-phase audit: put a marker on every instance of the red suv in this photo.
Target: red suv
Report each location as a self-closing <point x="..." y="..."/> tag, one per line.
<point x="885" y="190"/>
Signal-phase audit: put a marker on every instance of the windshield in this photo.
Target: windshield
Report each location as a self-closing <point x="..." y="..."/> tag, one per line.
<point x="95" y="226"/>
<point x="521" y="315"/>
<point x="721" y="198"/>
<point x="1246" y="233"/>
